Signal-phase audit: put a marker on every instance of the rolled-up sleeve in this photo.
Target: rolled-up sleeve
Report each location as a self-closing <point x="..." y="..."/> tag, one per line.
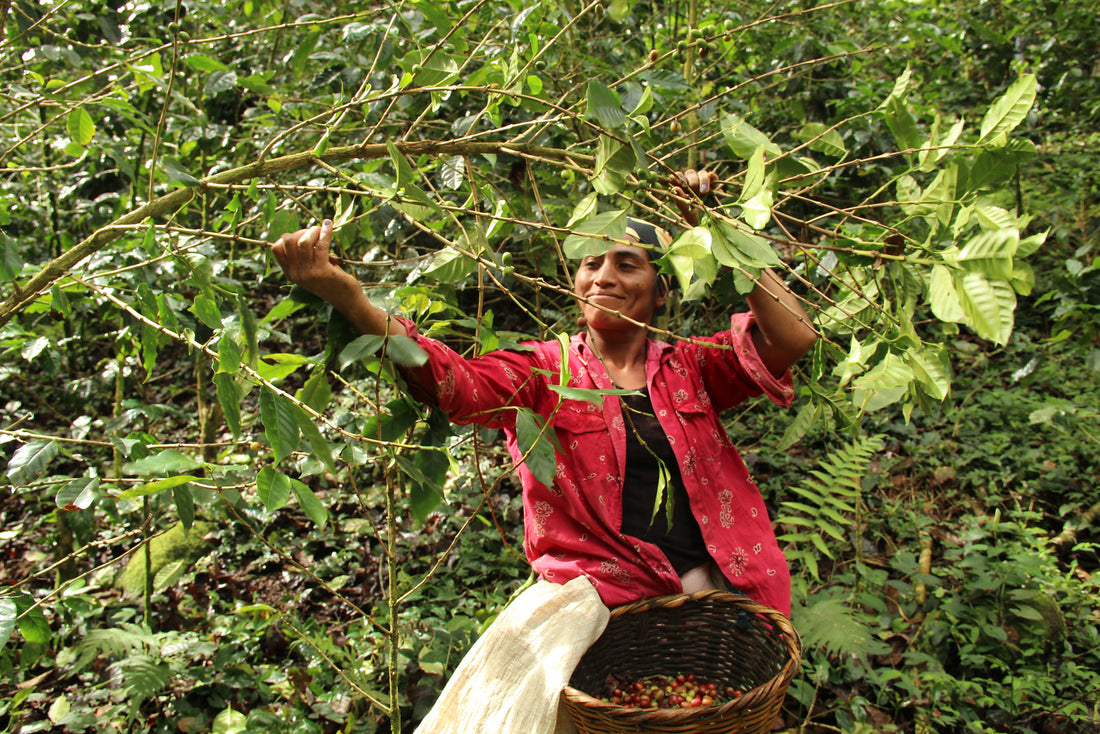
<point x="732" y="369"/>
<point x="480" y="390"/>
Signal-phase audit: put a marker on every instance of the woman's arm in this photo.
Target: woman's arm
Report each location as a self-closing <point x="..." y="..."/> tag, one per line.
<point x="783" y="332"/>
<point x="306" y="259"/>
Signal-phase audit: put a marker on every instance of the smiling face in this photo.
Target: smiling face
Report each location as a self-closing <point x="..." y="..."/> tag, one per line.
<point x="622" y="280"/>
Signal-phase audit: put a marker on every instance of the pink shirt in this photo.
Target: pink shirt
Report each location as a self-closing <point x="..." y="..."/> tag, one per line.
<point x="572" y="527"/>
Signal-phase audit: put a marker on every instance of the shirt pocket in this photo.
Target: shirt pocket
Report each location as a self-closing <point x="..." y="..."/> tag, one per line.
<point x="575" y="422"/>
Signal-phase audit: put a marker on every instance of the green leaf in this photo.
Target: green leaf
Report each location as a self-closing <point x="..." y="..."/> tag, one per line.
<point x="932" y="369"/>
<point x="942" y="296"/>
<point x="206" y="310"/>
<point x="989" y="306"/>
<point x="425" y="492"/>
<point x="989" y="253"/>
<point x="230" y="392"/>
<point x="169" y="574"/>
<point x="807" y="416"/>
<point x="80" y="126"/>
<point x="757" y="211"/>
<point x="317" y="392"/>
<point x="280" y="426"/>
<point x="689" y="254"/>
<point x="273" y="488"/>
<point x="34" y="627"/>
<point x="823" y="139"/>
<point x="594" y="236"/>
<point x="884" y="384"/>
<point x="450" y="266"/>
<point x="230" y="722"/>
<point x="902" y="125"/>
<point x="901" y="87"/>
<point x="58" y="710"/>
<point x="249" y="331"/>
<point x="536" y="445"/>
<point x="167" y="461"/>
<point x="586" y="207"/>
<point x="754" y="176"/>
<point x="405" y="351"/>
<point x="221" y="80"/>
<point x="736" y="247"/>
<point x="588" y="395"/>
<point x="160" y="485"/>
<point x="614" y="160"/>
<point x="276" y="367"/>
<point x="605" y="105"/>
<point x="185" y="505"/>
<point x="207" y="64"/>
<point x="229" y="354"/>
<point x="363" y="346"/>
<point x="10" y="262"/>
<point x="320" y="445"/>
<point x="1009" y="111"/>
<point x="78" y="494"/>
<point x="30" y="460"/>
<point x="176" y="174"/>
<point x="8" y="613"/>
<point x="309" y="503"/>
<point x="744" y="139"/>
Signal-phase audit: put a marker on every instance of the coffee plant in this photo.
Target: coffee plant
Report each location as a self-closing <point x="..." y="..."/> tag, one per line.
<point x="222" y="513"/>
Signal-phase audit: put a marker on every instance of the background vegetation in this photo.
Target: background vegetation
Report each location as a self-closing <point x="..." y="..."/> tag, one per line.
<point x="221" y="514"/>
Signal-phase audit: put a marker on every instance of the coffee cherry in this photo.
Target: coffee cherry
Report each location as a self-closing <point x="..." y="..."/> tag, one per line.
<point x="653" y="56"/>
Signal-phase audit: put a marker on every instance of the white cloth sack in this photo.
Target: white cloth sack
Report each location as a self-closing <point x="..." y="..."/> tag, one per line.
<point x="511" y="679"/>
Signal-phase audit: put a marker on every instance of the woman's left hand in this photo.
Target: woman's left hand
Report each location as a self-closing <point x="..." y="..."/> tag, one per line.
<point x="688" y="187"/>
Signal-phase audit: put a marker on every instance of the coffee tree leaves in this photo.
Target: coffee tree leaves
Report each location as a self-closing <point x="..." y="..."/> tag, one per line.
<point x="450" y="266"/>
<point x="273" y="488"/>
<point x="185" y="504"/>
<point x="823" y="139"/>
<point x="230" y="391"/>
<point x="605" y="105"/>
<point x="78" y="494"/>
<point x="280" y="424"/>
<point x="309" y="503"/>
<point x="596" y="234"/>
<point x="534" y="441"/>
<point x="1009" y="111"/>
<point x="744" y="139"/>
<point x="155" y="487"/>
<point x="80" y="126"/>
<point x="10" y="262"/>
<point x="989" y="305"/>
<point x="30" y="460"/>
<point x="322" y="450"/>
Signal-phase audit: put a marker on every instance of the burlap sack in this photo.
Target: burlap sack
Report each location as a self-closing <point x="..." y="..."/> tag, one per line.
<point x="510" y="680"/>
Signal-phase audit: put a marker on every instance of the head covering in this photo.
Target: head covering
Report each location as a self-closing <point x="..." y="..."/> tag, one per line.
<point x="655" y="238"/>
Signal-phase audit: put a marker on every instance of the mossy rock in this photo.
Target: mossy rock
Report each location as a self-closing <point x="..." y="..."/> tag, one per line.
<point x="171" y="553"/>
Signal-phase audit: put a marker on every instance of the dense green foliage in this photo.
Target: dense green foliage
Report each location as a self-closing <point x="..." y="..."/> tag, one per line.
<point x="220" y="512"/>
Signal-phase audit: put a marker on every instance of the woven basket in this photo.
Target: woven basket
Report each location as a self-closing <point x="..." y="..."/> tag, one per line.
<point x="719" y="636"/>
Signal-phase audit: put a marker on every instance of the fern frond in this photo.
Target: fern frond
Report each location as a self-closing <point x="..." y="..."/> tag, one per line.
<point x="115" y="642"/>
<point x="827" y="503"/>
<point x="830" y="625"/>
<point x="143" y="677"/>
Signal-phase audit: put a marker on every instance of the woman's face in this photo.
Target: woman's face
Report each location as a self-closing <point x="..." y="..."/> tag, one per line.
<point x="621" y="280"/>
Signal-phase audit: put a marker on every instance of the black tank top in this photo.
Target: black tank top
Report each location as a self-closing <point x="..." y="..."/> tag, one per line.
<point x="683" y="542"/>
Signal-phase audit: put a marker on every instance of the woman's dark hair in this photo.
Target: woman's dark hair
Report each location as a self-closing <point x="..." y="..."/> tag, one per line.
<point x="656" y="240"/>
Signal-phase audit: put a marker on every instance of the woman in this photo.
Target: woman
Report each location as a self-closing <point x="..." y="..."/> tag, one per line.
<point x="603" y="520"/>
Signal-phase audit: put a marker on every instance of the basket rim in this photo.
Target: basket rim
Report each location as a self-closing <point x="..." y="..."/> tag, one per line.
<point x="748" y="700"/>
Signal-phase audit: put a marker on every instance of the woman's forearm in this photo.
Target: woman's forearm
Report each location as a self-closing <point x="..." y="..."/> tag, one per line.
<point x="784" y="331"/>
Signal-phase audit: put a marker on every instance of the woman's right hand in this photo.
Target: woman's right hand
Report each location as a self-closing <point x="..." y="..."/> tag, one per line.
<point x="307" y="260"/>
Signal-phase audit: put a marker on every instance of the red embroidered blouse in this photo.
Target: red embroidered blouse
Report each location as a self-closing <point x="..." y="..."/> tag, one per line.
<point x="572" y="528"/>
